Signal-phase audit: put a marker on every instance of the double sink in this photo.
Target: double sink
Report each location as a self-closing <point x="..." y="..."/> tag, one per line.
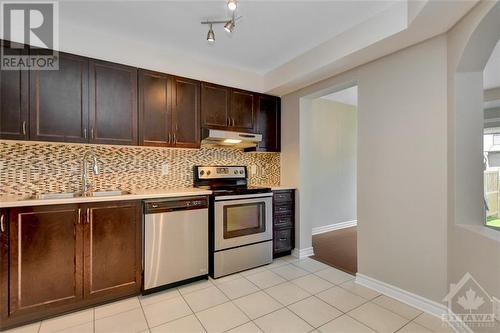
<point x="69" y="195"/>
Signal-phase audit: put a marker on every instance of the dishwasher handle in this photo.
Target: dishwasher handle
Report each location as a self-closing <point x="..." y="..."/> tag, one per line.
<point x="175" y="204"/>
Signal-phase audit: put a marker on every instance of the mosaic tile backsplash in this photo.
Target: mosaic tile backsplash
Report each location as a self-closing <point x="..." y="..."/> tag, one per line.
<point x="28" y="168"/>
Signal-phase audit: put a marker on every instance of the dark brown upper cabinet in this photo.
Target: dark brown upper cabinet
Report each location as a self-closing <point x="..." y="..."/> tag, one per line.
<point x="215" y="105"/>
<point x="186" y="112"/>
<point x="59" y="101"/>
<point x="112" y="249"/>
<point x="113" y="103"/>
<point x="14" y="122"/>
<point x="169" y="110"/>
<point x="155" y="124"/>
<point x="242" y="112"/>
<point x="227" y="108"/>
<point x="45" y="258"/>
<point x="269" y="123"/>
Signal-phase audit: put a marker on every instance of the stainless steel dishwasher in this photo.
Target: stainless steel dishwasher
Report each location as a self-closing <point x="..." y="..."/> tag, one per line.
<point x="175" y="241"/>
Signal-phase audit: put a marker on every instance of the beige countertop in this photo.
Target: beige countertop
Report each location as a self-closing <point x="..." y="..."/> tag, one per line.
<point x="7" y="201"/>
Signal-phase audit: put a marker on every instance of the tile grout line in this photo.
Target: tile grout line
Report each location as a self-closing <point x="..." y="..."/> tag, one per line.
<point x="189" y="306"/>
<point x="144" y="314"/>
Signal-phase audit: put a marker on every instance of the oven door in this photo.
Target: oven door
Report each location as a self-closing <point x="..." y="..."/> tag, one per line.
<point x="242" y="220"/>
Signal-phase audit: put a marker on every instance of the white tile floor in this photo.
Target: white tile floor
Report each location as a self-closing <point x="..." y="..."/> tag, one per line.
<point x="288" y="295"/>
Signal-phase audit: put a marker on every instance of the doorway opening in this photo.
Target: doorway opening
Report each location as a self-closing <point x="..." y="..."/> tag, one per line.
<point x="329" y="143"/>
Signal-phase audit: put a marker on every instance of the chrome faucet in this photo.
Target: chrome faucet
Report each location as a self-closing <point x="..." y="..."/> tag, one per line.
<point x="85" y="176"/>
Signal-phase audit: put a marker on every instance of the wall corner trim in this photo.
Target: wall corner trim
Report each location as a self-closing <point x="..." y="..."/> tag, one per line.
<point x="334" y="226"/>
<point x="424" y="304"/>
<point x="303" y="253"/>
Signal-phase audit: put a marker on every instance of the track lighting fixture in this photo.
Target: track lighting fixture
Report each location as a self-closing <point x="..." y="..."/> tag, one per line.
<point x="229" y="24"/>
<point x="231" y="4"/>
<point x="211" y="35"/>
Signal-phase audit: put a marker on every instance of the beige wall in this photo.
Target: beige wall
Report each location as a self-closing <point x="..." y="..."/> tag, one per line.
<point x="330" y="148"/>
<point x="472" y="247"/>
<point x="401" y="165"/>
<point x="420" y="213"/>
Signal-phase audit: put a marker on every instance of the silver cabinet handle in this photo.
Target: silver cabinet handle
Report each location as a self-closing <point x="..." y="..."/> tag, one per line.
<point x="84" y="133"/>
<point x="283" y="238"/>
<point x="2" y="225"/>
<point x="175" y="137"/>
<point x="88" y="215"/>
<point x="233" y="122"/>
<point x="92" y="133"/>
<point x="24" y="127"/>
<point x="169" y="137"/>
<point x="79" y="216"/>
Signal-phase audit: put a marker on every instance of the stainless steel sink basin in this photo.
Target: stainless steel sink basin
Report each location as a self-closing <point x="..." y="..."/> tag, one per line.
<point x="106" y="193"/>
<point x="69" y="195"/>
<point x="48" y="196"/>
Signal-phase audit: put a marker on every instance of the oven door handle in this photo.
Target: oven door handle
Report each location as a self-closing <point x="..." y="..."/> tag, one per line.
<point x="243" y="196"/>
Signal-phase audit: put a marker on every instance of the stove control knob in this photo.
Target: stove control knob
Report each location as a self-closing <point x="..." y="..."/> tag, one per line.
<point x="208" y="173"/>
<point x="202" y="172"/>
<point x="241" y="172"/>
<point x="235" y="172"/>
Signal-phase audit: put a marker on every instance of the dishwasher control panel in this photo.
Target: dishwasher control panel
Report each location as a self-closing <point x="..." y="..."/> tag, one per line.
<point x="173" y="204"/>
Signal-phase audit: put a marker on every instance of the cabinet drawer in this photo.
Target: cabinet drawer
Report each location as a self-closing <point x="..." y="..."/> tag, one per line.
<point x="282" y="240"/>
<point x="283" y="221"/>
<point x="283" y="209"/>
<point x="283" y="196"/>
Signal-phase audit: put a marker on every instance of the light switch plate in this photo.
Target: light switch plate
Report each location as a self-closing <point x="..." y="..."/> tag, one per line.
<point x="164" y="169"/>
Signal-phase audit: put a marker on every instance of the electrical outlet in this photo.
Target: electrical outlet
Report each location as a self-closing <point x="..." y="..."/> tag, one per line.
<point x="164" y="169"/>
<point x="253" y="169"/>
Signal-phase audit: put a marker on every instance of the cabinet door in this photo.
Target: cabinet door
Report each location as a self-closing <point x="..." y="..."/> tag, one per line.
<point x="59" y="101"/>
<point x="242" y="112"/>
<point x="154" y="109"/>
<point x="215" y="101"/>
<point x="113" y="103"/>
<point x="45" y="258"/>
<point x="4" y="264"/>
<point x="186" y="112"/>
<point x="112" y="249"/>
<point x="13" y="100"/>
<point x="269" y="123"/>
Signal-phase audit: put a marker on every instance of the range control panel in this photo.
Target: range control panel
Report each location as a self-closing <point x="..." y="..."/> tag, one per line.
<point x="214" y="172"/>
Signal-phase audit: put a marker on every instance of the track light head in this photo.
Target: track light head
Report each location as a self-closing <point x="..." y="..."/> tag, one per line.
<point x="229" y="26"/>
<point x="211" y="35"/>
<point x="231" y="4"/>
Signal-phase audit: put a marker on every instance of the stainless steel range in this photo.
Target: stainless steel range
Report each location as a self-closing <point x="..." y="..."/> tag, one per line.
<point x="240" y="228"/>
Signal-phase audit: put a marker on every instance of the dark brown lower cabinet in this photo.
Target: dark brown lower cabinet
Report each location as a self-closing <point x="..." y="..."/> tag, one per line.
<point x="112" y="249"/>
<point x="283" y="222"/>
<point x="45" y="258"/>
<point x="66" y="257"/>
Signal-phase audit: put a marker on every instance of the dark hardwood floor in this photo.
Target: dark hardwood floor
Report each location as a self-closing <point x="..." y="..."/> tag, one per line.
<point x="338" y="249"/>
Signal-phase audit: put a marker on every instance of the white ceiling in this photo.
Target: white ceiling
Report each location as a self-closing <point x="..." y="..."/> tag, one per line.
<point x="347" y="96"/>
<point x="270" y="33"/>
<point x="492" y="70"/>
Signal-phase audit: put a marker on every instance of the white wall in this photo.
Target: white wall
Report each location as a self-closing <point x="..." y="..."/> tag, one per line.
<point x="401" y="175"/>
<point x="329" y="146"/>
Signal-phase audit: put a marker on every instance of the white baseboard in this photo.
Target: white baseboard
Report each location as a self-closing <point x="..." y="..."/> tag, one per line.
<point x="335" y="226"/>
<point x="424" y="304"/>
<point x="303" y="253"/>
<point x="496" y="303"/>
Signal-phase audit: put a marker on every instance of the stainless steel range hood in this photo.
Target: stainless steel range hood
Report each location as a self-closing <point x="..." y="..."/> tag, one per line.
<point x="220" y="138"/>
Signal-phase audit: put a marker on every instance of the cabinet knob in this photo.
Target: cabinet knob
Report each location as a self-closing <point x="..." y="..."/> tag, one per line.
<point x="2" y="223"/>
